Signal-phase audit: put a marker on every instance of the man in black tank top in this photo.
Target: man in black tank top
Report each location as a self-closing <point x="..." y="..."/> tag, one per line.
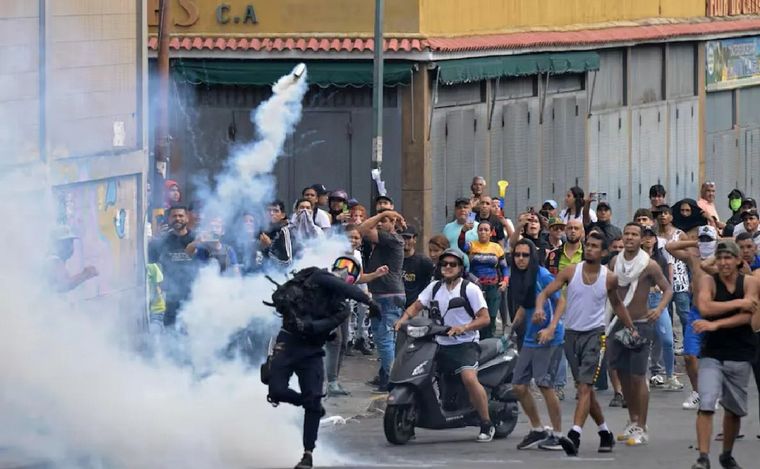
<point x="726" y="301"/>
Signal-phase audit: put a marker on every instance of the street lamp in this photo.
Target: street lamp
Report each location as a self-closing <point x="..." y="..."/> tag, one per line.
<point x="377" y="100"/>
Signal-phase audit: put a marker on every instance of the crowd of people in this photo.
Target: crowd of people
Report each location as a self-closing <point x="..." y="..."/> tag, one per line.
<point x="616" y="306"/>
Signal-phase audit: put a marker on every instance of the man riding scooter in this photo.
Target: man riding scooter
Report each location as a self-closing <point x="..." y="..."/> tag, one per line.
<point x="459" y="350"/>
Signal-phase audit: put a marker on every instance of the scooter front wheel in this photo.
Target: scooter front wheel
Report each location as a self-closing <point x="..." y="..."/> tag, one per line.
<point x="507" y="420"/>
<point x="398" y="424"/>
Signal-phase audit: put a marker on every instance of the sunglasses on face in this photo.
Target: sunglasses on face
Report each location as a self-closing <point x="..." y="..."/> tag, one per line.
<point x="518" y="255"/>
<point x="449" y="264"/>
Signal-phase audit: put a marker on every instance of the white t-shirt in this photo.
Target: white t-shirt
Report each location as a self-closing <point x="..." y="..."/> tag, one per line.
<point x="458" y="316"/>
<point x="566" y="217"/>
<point x="322" y="220"/>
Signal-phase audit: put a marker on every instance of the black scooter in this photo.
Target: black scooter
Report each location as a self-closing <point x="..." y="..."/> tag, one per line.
<point x="422" y="397"/>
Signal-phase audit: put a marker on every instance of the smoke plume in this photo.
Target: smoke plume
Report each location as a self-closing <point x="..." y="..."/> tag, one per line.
<point x="75" y="392"/>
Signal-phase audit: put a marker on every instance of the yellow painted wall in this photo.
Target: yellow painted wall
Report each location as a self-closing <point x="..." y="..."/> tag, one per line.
<point x="457" y="17"/>
<point x="283" y="17"/>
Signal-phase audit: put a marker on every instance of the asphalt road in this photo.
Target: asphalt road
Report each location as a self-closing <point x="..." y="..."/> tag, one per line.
<point x="672" y="442"/>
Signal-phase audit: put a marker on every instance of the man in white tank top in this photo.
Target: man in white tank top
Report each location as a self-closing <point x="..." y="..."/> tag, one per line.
<point x="589" y="285"/>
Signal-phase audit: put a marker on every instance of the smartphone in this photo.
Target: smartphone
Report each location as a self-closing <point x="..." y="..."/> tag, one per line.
<point x="471" y="217"/>
<point x="530" y="210"/>
<point x="598" y="196"/>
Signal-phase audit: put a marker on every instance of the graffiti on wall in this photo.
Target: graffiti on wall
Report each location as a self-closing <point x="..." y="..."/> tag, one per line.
<point x="102" y="214"/>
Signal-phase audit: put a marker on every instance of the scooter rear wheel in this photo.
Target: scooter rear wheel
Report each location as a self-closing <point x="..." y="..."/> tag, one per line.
<point x="398" y="424"/>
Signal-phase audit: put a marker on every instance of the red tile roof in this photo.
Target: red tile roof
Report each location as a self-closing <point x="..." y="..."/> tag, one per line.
<point x="517" y="40"/>
<point x="304" y="44"/>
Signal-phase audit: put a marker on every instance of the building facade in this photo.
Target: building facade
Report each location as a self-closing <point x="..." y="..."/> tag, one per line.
<point x="612" y="96"/>
<point x="72" y="117"/>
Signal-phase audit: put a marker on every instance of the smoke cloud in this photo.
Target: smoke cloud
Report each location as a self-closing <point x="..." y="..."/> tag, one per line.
<point x="75" y="392"/>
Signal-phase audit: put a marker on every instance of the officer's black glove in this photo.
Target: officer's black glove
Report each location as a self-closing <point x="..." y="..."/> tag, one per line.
<point x="374" y="310"/>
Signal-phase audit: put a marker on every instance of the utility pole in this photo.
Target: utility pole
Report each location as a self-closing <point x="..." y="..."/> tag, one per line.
<point x="377" y="99"/>
<point x="162" y="139"/>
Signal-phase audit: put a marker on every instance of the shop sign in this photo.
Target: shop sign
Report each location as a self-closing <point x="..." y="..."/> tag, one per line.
<point x="732" y="63"/>
<point x="186" y="13"/>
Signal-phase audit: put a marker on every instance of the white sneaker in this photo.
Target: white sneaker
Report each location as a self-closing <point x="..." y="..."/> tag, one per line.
<point x="657" y="381"/>
<point x="627" y="432"/>
<point x="691" y="402"/>
<point x="638" y="437"/>
<point x="672" y="384"/>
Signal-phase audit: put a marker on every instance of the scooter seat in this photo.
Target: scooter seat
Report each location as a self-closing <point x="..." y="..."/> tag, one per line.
<point x="489" y="348"/>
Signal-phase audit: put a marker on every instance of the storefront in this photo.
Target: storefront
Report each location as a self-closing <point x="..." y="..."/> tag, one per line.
<point x="614" y="108"/>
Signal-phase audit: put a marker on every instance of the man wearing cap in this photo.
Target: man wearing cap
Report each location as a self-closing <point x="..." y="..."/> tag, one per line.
<point x="464" y="229"/>
<point x="734" y="229"/>
<point x="418" y="268"/>
<point x="556" y="234"/>
<point x="62" y="250"/>
<point x="383" y="202"/>
<point x="603" y="221"/>
<point x="726" y="301"/>
<point x="750" y="224"/>
<point x="323" y="196"/>
<point x="549" y="208"/>
<point x="571" y="252"/>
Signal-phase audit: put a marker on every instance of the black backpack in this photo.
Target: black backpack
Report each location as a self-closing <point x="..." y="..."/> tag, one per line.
<point x="462" y="293"/>
<point x="298" y="297"/>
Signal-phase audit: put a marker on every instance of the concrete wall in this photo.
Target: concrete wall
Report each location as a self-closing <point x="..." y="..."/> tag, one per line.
<point x="456" y="17"/>
<point x="409" y="17"/>
<point x="72" y="96"/>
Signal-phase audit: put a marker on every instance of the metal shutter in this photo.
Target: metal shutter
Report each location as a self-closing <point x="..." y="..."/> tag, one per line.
<point x="438" y="157"/>
<point x="521" y="158"/>
<point x="648" y="151"/>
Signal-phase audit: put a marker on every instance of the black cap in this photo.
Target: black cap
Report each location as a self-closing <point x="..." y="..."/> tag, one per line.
<point x="461" y="201"/>
<point x="750" y="213"/>
<point x="410" y="231"/>
<point x="749" y="201"/>
<point x="648" y="230"/>
<point x="603" y="203"/>
<point x="383" y="197"/>
<point x="320" y="189"/>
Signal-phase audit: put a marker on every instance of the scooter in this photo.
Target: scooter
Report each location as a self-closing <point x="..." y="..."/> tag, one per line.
<point x="422" y="397"/>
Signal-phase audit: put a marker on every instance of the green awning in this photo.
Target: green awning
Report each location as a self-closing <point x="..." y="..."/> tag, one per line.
<point x="322" y="73"/>
<point x="484" y="68"/>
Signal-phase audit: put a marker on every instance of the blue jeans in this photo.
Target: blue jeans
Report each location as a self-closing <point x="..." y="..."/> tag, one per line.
<point x="682" y="301"/>
<point x="662" y="348"/>
<point x="391" y="308"/>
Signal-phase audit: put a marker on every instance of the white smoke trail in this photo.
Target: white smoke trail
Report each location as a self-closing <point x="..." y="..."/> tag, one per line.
<point x="73" y="393"/>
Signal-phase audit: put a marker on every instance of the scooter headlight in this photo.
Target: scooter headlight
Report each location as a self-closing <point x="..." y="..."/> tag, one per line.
<point x="416" y="331"/>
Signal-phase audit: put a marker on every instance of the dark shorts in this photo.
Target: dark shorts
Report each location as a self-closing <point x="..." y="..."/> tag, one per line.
<point x="539" y="363"/>
<point x="452" y="359"/>
<point x="625" y="360"/>
<point x="583" y="350"/>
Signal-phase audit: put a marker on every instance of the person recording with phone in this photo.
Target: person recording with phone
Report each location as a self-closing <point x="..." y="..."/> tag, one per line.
<point x="338" y="203"/>
<point x="208" y="247"/>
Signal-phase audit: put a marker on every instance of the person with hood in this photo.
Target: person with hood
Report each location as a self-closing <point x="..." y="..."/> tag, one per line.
<point x="735" y="199"/>
<point x="697" y="243"/>
<point x="538" y="360"/>
<point x="308" y="323"/>
<point x="172" y="194"/>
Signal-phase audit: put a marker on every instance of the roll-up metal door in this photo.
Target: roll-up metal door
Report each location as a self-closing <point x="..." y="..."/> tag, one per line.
<point x="648" y="151"/>
<point x="609" y="162"/>
<point x="683" y="157"/>
<point x="564" y="161"/>
<point x="752" y="161"/>
<point x="521" y="157"/>
<point x="438" y="141"/>
<point x="722" y="163"/>
<point x="479" y="165"/>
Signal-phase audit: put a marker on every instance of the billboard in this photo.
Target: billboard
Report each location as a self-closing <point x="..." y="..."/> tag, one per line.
<point x="732" y="63"/>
